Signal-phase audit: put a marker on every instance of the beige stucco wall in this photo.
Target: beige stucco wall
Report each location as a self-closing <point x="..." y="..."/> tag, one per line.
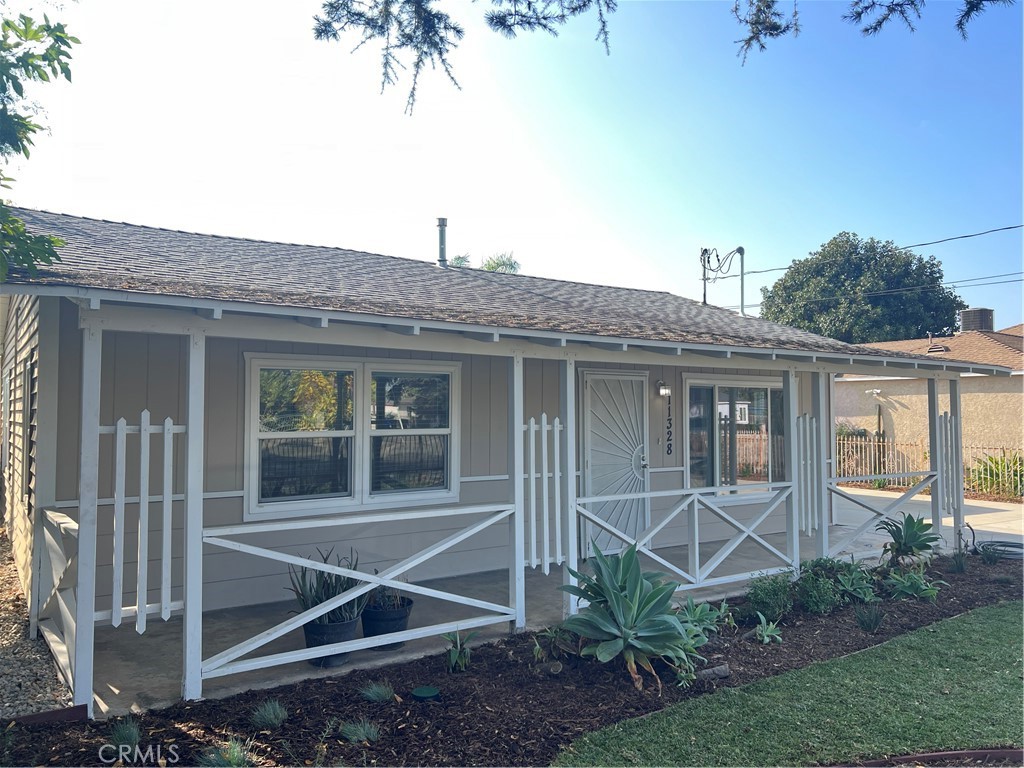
<point x="993" y="408"/>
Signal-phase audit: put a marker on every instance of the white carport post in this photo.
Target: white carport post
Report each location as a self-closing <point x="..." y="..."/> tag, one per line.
<point x="935" y="458"/>
<point x="192" y="645"/>
<point x="956" y="447"/>
<point x="88" y="495"/>
<point x="822" y="444"/>
<point x="570" y="541"/>
<point x="517" y="528"/>
<point x="789" y="411"/>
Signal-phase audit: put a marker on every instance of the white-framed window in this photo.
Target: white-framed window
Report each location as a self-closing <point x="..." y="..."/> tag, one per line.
<point x="735" y="433"/>
<point x="329" y="434"/>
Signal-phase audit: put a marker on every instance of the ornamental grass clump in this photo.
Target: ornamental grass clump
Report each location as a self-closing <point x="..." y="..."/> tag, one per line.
<point x="630" y="615"/>
<point x="269" y="715"/>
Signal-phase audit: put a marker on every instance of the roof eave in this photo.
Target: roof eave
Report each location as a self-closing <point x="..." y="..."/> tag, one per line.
<point x="93" y="298"/>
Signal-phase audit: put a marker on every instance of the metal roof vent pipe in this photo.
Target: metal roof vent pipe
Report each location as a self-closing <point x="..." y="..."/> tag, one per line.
<point x="442" y="259"/>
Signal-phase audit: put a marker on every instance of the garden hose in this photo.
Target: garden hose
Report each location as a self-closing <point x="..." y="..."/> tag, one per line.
<point x="1004" y="550"/>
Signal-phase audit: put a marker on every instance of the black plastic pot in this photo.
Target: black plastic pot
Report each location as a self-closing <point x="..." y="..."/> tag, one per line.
<point x="328" y="634"/>
<point x="384" y="622"/>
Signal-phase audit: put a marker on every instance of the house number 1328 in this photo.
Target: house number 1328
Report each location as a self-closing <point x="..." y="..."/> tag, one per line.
<point x="668" y="426"/>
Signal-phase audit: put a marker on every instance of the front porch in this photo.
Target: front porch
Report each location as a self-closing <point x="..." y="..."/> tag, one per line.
<point x="134" y="672"/>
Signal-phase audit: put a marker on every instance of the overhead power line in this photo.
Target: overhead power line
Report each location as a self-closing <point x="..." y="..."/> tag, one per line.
<point x="901" y="248"/>
<point x="967" y="282"/>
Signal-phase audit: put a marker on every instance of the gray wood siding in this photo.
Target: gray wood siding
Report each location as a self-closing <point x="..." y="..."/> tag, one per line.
<point x="148" y="370"/>
<point x="20" y="425"/>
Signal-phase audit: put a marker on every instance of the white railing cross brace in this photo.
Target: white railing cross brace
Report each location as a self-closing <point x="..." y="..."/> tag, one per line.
<point x="370" y="581"/>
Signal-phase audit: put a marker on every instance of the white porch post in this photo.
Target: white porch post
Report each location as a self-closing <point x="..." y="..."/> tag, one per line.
<point x="822" y="411"/>
<point x="88" y="489"/>
<point x="935" y="459"/>
<point x="956" y="447"/>
<point x="789" y="408"/>
<point x="192" y="681"/>
<point x="517" y="532"/>
<point x="571" y="539"/>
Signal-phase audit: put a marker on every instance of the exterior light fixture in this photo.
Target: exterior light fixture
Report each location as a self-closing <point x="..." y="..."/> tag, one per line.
<point x="664" y="390"/>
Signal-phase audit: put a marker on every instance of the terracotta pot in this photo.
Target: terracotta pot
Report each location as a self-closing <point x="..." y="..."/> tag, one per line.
<point x="383" y="622"/>
<point x="328" y="634"/>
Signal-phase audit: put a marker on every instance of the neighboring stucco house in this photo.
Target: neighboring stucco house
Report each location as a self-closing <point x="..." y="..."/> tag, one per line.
<point x="993" y="406"/>
<point x="184" y="416"/>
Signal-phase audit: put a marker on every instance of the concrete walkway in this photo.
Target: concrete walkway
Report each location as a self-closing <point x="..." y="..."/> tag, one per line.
<point x="991" y="520"/>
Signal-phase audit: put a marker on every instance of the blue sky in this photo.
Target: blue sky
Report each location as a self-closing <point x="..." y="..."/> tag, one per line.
<point x="229" y="118"/>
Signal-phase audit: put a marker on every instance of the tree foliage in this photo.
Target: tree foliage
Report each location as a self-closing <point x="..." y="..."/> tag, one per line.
<point x="29" y="52"/>
<point x="862" y="291"/>
<point x="499" y="262"/>
<point x="413" y="34"/>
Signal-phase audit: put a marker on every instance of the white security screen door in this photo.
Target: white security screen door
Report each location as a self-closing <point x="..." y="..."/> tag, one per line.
<point x="615" y="436"/>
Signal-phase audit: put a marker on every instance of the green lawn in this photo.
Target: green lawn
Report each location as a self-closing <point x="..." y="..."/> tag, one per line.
<point x="953" y="685"/>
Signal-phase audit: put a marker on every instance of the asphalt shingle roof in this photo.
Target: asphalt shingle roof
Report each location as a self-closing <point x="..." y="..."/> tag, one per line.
<point x="982" y="347"/>
<point x="126" y="257"/>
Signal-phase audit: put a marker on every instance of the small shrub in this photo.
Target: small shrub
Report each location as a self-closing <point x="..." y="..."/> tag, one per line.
<point x="913" y="584"/>
<point x="704" y="616"/>
<point x="856" y="585"/>
<point x="771" y="596"/>
<point x="456" y="658"/>
<point x="235" y="754"/>
<point x="869" y="616"/>
<point x="767" y="632"/>
<point x="989" y="555"/>
<point x="359" y="731"/>
<point x="126" y="732"/>
<point x="911" y="537"/>
<point x="958" y="561"/>
<point x="818" y="594"/>
<point x="554" y="643"/>
<point x="1001" y="475"/>
<point x="378" y="691"/>
<point x="269" y="715"/>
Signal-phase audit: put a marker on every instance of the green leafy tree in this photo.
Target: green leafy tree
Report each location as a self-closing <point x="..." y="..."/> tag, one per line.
<point x="413" y="34"/>
<point x="29" y="52"/>
<point x="499" y="262"/>
<point x="862" y="291"/>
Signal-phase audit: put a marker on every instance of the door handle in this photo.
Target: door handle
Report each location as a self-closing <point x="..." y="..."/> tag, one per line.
<point x="643" y="461"/>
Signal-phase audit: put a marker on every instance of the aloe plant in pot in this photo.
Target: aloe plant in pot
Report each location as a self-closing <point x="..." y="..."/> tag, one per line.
<point x="388" y="611"/>
<point x="312" y="587"/>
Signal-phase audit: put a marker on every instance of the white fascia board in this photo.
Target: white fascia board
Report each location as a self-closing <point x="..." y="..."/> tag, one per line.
<point x="94" y="296"/>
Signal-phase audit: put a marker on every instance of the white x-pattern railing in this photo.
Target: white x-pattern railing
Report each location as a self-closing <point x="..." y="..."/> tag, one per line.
<point x="57" y="548"/>
<point x="712" y="500"/>
<point x="229" y="661"/>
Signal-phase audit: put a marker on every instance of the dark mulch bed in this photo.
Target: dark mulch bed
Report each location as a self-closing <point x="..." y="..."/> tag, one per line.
<point x="505" y="709"/>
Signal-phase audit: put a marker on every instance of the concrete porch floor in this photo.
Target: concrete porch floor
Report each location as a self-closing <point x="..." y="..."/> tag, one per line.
<point x="134" y="672"/>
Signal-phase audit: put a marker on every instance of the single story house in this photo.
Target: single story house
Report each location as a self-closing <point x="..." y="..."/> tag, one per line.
<point x="992" y="407"/>
<point x="184" y="416"/>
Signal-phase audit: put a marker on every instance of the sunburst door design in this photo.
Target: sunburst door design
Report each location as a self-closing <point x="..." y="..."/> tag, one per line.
<point x="616" y="434"/>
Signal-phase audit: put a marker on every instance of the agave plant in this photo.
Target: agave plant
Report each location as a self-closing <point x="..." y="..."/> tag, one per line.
<point x="910" y="537"/>
<point x="629" y="614"/>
